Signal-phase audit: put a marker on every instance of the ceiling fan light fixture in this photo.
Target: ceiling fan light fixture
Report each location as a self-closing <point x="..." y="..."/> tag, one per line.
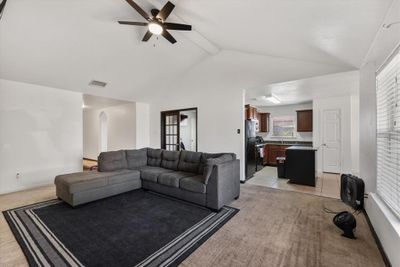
<point x="155" y="28"/>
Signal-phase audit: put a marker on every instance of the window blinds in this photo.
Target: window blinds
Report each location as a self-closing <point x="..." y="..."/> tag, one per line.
<point x="388" y="133"/>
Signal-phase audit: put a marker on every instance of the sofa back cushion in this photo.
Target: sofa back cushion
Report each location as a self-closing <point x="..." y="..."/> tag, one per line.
<point x="154" y="157"/>
<point x="189" y="161"/>
<point x="170" y="159"/>
<point x="136" y="158"/>
<point x="112" y="161"/>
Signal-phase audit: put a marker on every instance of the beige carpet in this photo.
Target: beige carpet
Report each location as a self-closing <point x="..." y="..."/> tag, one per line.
<point x="281" y="228"/>
<point x="273" y="228"/>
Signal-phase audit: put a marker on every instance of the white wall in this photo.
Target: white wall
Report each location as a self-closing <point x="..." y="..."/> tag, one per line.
<point x="286" y="110"/>
<point x="218" y="117"/>
<point x="40" y="134"/>
<point x="344" y="105"/>
<point x="355" y="133"/>
<point x="121" y="128"/>
<point x="142" y="125"/>
<point x="386" y="225"/>
<point x="128" y="127"/>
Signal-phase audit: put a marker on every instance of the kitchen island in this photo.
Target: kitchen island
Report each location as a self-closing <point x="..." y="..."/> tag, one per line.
<point x="300" y="165"/>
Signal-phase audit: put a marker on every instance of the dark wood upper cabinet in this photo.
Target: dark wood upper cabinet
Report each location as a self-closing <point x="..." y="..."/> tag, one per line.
<point x="250" y="112"/>
<point x="305" y="120"/>
<point x="263" y="122"/>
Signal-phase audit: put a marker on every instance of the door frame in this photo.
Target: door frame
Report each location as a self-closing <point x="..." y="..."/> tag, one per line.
<point x="162" y="124"/>
<point x="323" y="141"/>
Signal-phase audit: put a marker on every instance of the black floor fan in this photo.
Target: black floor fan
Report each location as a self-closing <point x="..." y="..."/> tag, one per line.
<point x="351" y="193"/>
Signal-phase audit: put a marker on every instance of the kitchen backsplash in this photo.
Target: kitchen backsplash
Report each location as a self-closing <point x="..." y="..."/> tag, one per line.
<point x="307" y="137"/>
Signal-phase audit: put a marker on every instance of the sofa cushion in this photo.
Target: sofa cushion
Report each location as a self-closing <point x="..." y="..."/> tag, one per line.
<point x="81" y="181"/>
<point x="136" y="158"/>
<point x="123" y="176"/>
<point x="151" y="173"/>
<point x="154" y="157"/>
<point x="193" y="184"/>
<point x="172" y="178"/>
<point x="189" y="161"/>
<point x="112" y="161"/>
<point x="170" y="159"/>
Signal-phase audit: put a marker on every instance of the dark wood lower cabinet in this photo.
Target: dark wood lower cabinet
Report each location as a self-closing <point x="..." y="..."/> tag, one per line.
<point x="271" y="152"/>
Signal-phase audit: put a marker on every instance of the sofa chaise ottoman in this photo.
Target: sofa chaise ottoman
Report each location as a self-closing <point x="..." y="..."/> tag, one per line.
<point x="208" y="179"/>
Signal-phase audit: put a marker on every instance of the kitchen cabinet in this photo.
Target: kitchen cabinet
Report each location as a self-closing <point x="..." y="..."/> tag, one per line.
<point x="250" y="112"/>
<point x="265" y="158"/>
<point x="271" y="152"/>
<point x="304" y="120"/>
<point x="263" y="122"/>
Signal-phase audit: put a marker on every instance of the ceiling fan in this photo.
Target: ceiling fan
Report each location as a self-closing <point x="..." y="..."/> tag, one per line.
<point x="156" y="22"/>
<point x="2" y="5"/>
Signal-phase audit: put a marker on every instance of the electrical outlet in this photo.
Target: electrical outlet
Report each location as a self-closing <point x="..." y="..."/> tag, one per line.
<point x="18" y="175"/>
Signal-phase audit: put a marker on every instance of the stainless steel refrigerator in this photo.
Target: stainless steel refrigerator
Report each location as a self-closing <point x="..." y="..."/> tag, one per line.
<point x="250" y="148"/>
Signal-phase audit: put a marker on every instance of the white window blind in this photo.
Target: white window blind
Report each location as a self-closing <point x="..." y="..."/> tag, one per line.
<point x="388" y="133"/>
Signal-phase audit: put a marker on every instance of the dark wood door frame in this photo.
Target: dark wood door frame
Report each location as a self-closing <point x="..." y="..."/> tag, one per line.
<point x="162" y="124"/>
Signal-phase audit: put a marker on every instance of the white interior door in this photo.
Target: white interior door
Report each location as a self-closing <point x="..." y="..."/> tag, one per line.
<point x="331" y="140"/>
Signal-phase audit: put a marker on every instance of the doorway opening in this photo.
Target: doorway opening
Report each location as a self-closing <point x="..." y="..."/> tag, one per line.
<point x="179" y="129"/>
<point x="108" y="124"/>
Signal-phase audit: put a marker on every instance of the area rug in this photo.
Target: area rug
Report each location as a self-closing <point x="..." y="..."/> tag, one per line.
<point x="138" y="228"/>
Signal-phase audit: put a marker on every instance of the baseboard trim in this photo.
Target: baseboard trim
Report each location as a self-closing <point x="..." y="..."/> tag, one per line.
<point x="377" y="241"/>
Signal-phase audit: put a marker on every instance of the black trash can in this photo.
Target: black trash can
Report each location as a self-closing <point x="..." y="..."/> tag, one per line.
<point x="281" y="166"/>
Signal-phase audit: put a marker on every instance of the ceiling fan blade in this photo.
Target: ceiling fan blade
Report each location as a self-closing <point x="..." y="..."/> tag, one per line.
<point x="2" y="5"/>
<point x="138" y="9"/>
<point x="168" y="36"/>
<point x="177" y="26"/>
<point x="165" y="11"/>
<point x="147" y="36"/>
<point x="133" y="23"/>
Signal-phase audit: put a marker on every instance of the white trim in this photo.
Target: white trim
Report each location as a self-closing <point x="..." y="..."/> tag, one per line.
<point x="390" y="216"/>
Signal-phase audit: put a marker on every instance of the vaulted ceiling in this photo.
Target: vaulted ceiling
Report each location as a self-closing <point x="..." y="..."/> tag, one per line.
<point x="66" y="44"/>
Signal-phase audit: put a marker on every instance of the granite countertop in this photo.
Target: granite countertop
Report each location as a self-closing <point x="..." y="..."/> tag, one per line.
<point x="302" y="148"/>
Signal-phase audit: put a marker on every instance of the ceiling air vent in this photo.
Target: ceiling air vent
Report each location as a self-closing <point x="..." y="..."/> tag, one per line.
<point x="97" y="83"/>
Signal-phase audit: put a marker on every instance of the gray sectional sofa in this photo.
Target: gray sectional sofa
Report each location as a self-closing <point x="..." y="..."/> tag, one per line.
<point x="211" y="180"/>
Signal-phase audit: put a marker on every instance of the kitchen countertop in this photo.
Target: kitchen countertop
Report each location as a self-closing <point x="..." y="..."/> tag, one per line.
<point x="285" y="143"/>
<point x="301" y="148"/>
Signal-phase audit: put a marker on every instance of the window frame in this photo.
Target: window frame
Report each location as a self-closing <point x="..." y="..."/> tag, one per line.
<point x="388" y="132"/>
<point x="282" y="118"/>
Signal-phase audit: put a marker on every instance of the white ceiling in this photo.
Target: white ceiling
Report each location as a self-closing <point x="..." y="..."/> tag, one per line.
<point x="66" y="44"/>
<point x="305" y="90"/>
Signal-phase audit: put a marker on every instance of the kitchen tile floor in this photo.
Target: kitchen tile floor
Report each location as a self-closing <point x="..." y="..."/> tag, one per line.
<point x="328" y="185"/>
